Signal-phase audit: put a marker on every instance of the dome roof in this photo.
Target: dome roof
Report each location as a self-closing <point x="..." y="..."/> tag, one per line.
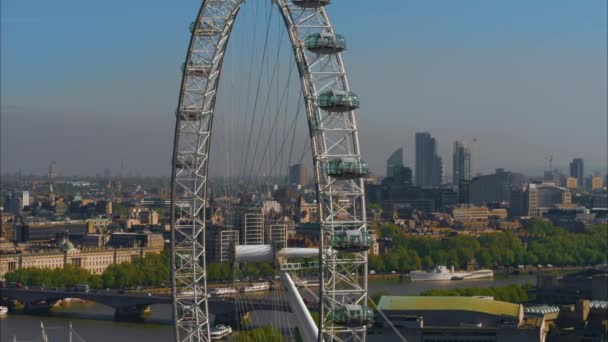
<point x="66" y="245"/>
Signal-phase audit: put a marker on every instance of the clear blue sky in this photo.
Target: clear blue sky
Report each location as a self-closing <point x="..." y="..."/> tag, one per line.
<point x="89" y="83"/>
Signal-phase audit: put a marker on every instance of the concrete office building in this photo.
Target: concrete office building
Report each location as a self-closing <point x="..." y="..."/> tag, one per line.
<point x="226" y="241"/>
<point x="277" y="234"/>
<point x="518" y="202"/>
<point x="491" y="188"/>
<point x="298" y="174"/>
<point x="17" y="201"/>
<point x="139" y="215"/>
<point x="461" y="170"/>
<point x="599" y="199"/>
<point x="95" y="260"/>
<point x="394" y="162"/>
<point x="587" y="284"/>
<point x="220" y="243"/>
<point x="577" y="170"/>
<point x="253" y="227"/>
<point x="429" y="166"/>
<point x="597" y="183"/>
<point x="438" y="319"/>
<point x="50" y="231"/>
<point x="542" y="197"/>
<point x="468" y="213"/>
<point x="571" y="183"/>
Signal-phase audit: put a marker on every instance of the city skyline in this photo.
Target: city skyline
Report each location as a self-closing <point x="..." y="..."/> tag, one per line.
<point x="276" y="222"/>
<point x="538" y="84"/>
<point x="447" y="170"/>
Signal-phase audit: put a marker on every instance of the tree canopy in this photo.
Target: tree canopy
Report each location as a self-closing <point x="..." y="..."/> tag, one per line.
<point x="546" y="244"/>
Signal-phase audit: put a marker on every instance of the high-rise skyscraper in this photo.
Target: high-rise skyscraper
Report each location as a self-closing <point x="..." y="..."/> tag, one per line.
<point x="577" y="170"/>
<point x="52" y="170"/>
<point x="429" y="166"/>
<point x="17" y="201"/>
<point x="394" y="162"/>
<point x="461" y="163"/>
<point x="253" y="227"/>
<point x="298" y="174"/>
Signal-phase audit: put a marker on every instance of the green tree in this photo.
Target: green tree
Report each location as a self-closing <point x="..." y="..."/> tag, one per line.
<point x="267" y="334"/>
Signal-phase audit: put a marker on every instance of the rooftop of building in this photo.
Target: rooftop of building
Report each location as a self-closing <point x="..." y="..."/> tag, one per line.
<point x="449" y="303"/>
<point x="547" y="185"/>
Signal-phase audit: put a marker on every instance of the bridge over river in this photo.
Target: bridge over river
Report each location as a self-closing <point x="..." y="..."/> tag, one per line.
<point x="131" y="305"/>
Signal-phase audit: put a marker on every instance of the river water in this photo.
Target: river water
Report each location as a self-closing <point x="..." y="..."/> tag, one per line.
<point x="94" y="322"/>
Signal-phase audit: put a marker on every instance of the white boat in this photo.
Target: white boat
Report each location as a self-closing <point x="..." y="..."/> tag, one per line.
<point x="220" y="331"/>
<point x="257" y="287"/>
<point x="220" y="291"/>
<point x="3" y="310"/>
<point x="443" y="273"/>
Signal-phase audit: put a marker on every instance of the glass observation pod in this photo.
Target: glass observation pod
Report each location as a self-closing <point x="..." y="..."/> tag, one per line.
<point x="185" y="160"/>
<point x="351" y="241"/>
<point x="338" y="101"/>
<point x="206" y="28"/>
<point x="311" y="3"/>
<point x="325" y="43"/>
<point x="190" y="113"/>
<point x="352" y="315"/>
<point x="346" y="169"/>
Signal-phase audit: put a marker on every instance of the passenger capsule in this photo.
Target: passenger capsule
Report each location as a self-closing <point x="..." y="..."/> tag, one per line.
<point x="351" y="241"/>
<point x="311" y="3"/>
<point x="346" y="169"/>
<point x="325" y="43"/>
<point x="338" y="101"/>
<point x="352" y="315"/>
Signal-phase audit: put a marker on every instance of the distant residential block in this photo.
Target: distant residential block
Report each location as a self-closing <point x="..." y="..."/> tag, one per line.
<point x="597" y="183"/>
<point x="571" y="183"/>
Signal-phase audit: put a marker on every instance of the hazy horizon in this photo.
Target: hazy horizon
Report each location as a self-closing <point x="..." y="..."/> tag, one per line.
<point x="526" y="80"/>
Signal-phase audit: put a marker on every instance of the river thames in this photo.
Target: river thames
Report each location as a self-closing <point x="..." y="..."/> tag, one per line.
<point x="94" y="322"/>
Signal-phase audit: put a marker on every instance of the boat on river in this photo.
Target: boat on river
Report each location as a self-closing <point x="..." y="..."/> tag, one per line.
<point x="257" y="287"/>
<point x="220" y="331"/>
<point x="443" y="273"/>
<point x="222" y="291"/>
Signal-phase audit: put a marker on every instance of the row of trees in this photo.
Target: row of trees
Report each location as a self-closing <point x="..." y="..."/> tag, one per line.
<point x="225" y="271"/>
<point x="511" y="293"/>
<point x="58" y="277"/>
<point x="267" y="334"/>
<point x="548" y="245"/>
<point x="151" y="270"/>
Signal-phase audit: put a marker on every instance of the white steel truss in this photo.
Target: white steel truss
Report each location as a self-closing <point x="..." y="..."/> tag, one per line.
<point x="333" y="136"/>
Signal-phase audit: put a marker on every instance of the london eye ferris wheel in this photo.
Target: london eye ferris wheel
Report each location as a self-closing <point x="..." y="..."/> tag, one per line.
<point x="330" y="107"/>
